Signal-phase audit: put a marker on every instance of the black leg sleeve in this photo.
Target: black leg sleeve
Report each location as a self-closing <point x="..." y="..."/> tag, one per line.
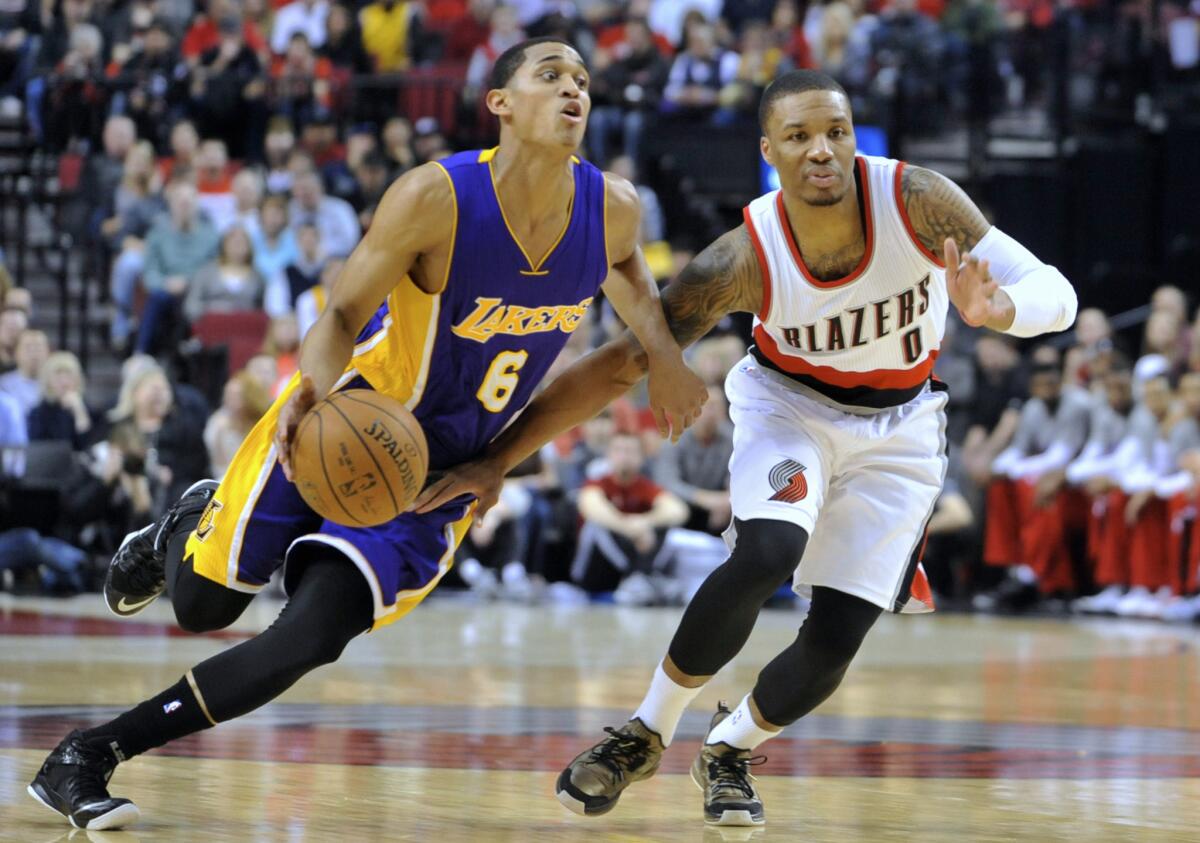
<point x="811" y="668"/>
<point x="720" y="618"/>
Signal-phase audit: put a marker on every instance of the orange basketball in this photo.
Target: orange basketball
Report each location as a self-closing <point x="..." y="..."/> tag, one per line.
<point x="359" y="458"/>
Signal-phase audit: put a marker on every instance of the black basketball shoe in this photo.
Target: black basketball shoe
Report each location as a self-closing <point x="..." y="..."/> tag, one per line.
<point x="135" y="575"/>
<point x="73" y="781"/>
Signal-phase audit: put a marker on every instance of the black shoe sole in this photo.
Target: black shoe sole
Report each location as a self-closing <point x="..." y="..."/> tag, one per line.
<point x="578" y="802"/>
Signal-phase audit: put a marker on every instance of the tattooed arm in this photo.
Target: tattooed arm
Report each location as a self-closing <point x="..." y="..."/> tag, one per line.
<point x="946" y="223"/>
<point x="722" y="279"/>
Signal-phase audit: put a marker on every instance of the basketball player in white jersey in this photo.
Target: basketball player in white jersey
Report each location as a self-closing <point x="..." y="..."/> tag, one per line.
<point x="839" y="444"/>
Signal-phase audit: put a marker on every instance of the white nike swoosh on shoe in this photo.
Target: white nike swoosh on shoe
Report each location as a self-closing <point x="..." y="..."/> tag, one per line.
<point x="122" y="606"/>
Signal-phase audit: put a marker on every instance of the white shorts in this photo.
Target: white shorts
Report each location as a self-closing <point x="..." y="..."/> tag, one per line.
<point x="862" y="486"/>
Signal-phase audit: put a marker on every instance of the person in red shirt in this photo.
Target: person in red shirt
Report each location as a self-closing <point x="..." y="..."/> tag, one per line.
<point x="625" y="518"/>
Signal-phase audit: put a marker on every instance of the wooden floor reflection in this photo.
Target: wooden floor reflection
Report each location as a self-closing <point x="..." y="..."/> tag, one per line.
<point x="452" y="724"/>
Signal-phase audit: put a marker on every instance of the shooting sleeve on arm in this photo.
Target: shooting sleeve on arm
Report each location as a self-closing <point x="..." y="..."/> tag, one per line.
<point x="1043" y="299"/>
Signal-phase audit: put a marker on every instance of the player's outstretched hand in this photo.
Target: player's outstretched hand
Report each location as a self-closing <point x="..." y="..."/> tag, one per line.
<point x="677" y="395"/>
<point x="971" y="287"/>
<point x="481" y="478"/>
<point x="300" y="402"/>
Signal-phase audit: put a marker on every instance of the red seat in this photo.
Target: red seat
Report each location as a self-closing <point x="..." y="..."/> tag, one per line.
<point x="242" y="331"/>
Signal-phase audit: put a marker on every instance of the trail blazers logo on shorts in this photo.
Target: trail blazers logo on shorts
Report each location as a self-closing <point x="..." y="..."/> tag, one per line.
<point x="787" y="479"/>
<point x="207" y="519"/>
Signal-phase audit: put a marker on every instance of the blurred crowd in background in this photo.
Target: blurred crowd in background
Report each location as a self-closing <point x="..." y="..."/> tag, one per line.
<point x="224" y="168"/>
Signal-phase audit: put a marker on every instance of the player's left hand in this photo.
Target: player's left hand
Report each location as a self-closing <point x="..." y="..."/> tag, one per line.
<point x="971" y="287"/>
<point x="677" y="395"/>
<point x="481" y="478"/>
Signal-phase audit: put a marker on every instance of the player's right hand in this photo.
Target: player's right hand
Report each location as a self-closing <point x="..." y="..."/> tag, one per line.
<point x="300" y="402"/>
<point x="481" y="478"/>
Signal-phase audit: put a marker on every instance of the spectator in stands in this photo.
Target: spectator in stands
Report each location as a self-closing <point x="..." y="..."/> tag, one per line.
<point x="214" y="182"/>
<point x="371" y="179"/>
<point x="228" y="284"/>
<point x="150" y="82"/>
<point x="907" y="46"/>
<point x="836" y="51"/>
<point x="301" y="83"/>
<point x="304" y="272"/>
<point x="503" y="32"/>
<point x="312" y="301"/>
<point x="61" y="414"/>
<point x="429" y="144"/>
<point x="20" y="30"/>
<point x="136" y="205"/>
<point x="625" y="518"/>
<point x="1093" y="340"/>
<point x="283" y="345"/>
<point x="157" y="441"/>
<point x="696" y="468"/>
<point x="994" y="414"/>
<point x="205" y="33"/>
<point x="262" y="368"/>
<point x="334" y="218"/>
<point x="56" y="37"/>
<point x="343" y="43"/>
<point x="244" y="401"/>
<point x="626" y="90"/>
<point x="13" y="322"/>
<point x="1026" y="514"/>
<point x="698" y="75"/>
<point x="494" y="547"/>
<point x="319" y="139"/>
<point x="397" y="146"/>
<point x="469" y="31"/>
<point x="247" y="198"/>
<point x="1163" y="335"/>
<point x="76" y="95"/>
<point x="101" y="175"/>
<point x="185" y="144"/>
<point x="669" y="17"/>
<point x="579" y="454"/>
<point x="300" y="17"/>
<point x="787" y="34"/>
<point x="390" y="33"/>
<point x="274" y="251"/>
<point x="177" y="246"/>
<point x="227" y="90"/>
<point x="759" y="62"/>
<point x="13" y="431"/>
<point x="277" y="148"/>
<point x="24" y="382"/>
<point x="17" y="298"/>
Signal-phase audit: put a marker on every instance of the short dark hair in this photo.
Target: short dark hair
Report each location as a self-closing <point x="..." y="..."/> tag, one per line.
<point x="512" y="58"/>
<point x="794" y="82"/>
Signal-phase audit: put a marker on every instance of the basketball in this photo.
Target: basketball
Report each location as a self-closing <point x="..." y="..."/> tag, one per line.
<point x="359" y="458"/>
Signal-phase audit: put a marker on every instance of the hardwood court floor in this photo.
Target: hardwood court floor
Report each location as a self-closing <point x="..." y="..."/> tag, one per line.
<point x="452" y="724"/>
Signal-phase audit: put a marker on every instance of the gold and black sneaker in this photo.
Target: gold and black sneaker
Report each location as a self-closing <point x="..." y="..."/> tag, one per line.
<point x="722" y="772"/>
<point x="592" y="783"/>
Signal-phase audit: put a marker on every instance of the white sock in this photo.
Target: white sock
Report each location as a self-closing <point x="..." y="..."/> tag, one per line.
<point x="664" y="704"/>
<point x="739" y="729"/>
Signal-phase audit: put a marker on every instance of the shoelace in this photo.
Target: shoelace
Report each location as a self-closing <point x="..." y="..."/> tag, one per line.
<point x="90" y="782"/>
<point x="731" y="770"/>
<point x="617" y="748"/>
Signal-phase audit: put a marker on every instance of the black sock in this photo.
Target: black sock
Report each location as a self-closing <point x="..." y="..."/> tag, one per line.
<point x="172" y="714"/>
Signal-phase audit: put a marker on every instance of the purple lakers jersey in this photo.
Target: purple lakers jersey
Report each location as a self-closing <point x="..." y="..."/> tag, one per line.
<point x="466" y="360"/>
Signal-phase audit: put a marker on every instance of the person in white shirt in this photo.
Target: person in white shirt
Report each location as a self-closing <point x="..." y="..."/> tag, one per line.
<point x="312" y="301"/>
<point x="247" y="197"/>
<point x="304" y="16"/>
<point x="334" y="218"/>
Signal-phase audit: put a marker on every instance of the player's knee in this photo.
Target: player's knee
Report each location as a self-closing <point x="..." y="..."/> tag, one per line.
<point x="196" y="616"/>
<point x="767" y="552"/>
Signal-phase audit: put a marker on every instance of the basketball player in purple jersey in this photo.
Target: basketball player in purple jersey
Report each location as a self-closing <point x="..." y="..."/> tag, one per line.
<point x="485" y="263"/>
<point x="839" y="431"/>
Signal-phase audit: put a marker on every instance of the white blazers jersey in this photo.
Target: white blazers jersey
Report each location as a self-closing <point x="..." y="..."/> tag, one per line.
<point x="869" y="339"/>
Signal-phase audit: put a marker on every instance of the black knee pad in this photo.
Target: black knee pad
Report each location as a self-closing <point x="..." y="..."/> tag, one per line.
<point x="766" y="552"/>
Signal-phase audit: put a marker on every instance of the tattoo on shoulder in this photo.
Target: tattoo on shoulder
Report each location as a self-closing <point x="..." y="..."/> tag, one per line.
<point x="938" y="208"/>
<point x="724" y="278"/>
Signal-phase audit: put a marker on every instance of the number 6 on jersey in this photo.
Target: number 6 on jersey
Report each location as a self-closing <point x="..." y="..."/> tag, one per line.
<point x="500" y="382"/>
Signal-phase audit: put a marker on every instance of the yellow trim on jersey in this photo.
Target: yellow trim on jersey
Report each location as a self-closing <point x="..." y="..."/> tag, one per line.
<point x="486" y="157"/>
<point x="406" y="601"/>
<point x="453" y="226"/>
<point x="604" y="224"/>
